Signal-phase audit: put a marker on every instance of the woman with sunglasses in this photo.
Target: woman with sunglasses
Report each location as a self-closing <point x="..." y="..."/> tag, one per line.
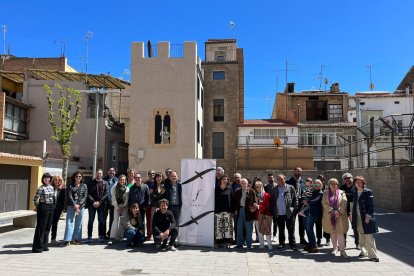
<point x="77" y="193"/>
<point x="60" y="192"/>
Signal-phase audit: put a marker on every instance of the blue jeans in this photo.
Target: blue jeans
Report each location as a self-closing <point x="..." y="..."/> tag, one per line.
<point x="73" y="229"/>
<point x="309" y="222"/>
<point x="134" y="236"/>
<point x="241" y="224"/>
<point x="101" y="220"/>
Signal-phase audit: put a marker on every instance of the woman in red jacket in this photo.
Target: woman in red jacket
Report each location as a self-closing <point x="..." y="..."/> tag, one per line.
<point x="263" y="217"/>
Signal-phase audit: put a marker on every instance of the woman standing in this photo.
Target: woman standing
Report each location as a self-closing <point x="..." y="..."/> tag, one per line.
<point x="335" y="219"/>
<point x="363" y="219"/>
<point x="60" y="192"/>
<point x="313" y="214"/>
<point x="77" y="193"/>
<point x="131" y="178"/>
<point x="156" y="194"/>
<point x="44" y="200"/>
<point x="223" y="220"/>
<point x="262" y="212"/>
<point x="120" y="202"/>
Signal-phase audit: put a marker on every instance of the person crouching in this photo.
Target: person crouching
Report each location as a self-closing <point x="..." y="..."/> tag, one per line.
<point x="164" y="227"/>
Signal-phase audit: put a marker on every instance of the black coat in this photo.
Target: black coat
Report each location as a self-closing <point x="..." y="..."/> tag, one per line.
<point x="366" y="206"/>
<point x="168" y="191"/>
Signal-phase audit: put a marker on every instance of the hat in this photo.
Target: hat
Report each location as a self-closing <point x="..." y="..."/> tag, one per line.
<point x="347" y="175"/>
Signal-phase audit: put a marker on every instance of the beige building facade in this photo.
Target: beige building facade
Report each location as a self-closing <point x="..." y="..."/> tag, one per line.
<point x="165" y="103"/>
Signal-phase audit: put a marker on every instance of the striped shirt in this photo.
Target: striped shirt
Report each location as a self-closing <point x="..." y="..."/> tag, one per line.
<point x="45" y="194"/>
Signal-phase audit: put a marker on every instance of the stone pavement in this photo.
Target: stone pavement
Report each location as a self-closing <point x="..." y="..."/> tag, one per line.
<point x="395" y="245"/>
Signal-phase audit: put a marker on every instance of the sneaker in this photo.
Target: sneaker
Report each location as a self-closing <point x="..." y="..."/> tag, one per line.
<point x="171" y="248"/>
<point x="334" y="251"/>
<point x="274" y="239"/>
<point x="328" y="242"/>
<point x="110" y="242"/>
<point x="88" y="240"/>
<point x="343" y="254"/>
<point x="375" y="260"/>
<point x="53" y="241"/>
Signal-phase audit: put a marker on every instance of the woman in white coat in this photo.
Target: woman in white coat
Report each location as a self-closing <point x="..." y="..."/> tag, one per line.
<point x="120" y="201"/>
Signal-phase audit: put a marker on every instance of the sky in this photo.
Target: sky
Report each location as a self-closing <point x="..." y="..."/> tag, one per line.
<point x="345" y="38"/>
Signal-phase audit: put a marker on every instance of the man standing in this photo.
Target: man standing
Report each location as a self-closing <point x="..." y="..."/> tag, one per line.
<point x="173" y="191"/>
<point x="139" y="193"/>
<point x="219" y="174"/>
<point x="236" y="182"/>
<point x="268" y="189"/>
<point x="349" y="189"/>
<point x="164" y="226"/>
<point x="299" y="184"/>
<point x="109" y="208"/>
<point x="97" y="195"/>
<point x="284" y="205"/>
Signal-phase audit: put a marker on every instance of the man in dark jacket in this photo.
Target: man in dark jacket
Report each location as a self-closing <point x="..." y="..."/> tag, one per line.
<point x="173" y="191"/>
<point x="139" y="193"/>
<point x="97" y="195"/>
<point x="299" y="184"/>
<point x="164" y="226"/>
<point x="109" y="208"/>
<point x="349" y="189"/>
<point x="284" y="205"/>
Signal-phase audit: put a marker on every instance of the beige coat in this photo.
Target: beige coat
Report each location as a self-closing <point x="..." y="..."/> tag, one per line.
<point x="342" y="224"/>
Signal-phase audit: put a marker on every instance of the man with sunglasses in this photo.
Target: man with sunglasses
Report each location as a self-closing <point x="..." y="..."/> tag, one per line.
<point x="349" y="188"/>
<point x="139" y="193"/>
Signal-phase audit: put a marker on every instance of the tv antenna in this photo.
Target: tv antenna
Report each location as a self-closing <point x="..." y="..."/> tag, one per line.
<point x="320" y="77"/>
<point x="88" y="35"/>
<point x="371" y="84"/>
<point x="62" y="46"/>
<point x="269" y="98"/>
<point x="4" y="29"/>
<point x="286" y="70"/>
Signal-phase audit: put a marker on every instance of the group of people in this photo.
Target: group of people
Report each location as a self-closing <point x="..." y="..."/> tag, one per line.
<point x="140" y="211"/>
<point x="244" y="206"/>
<point x="137" y="211"/>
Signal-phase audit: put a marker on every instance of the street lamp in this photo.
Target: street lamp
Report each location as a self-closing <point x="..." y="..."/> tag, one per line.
<point x="97" y="93"/>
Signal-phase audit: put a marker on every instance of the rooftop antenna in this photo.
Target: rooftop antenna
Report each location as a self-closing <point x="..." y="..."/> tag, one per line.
<point x="62" y="46"/>
<point x="4" y="29"/>
<point x="320" y="76"/>
<point x="88" y="35"/>
<point x="371" y="84"/>
<point x="286" y="70"/>
<point x="268" y="98"/>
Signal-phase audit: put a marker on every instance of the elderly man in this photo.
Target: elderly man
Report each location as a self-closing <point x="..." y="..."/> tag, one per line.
<point x="219" y="174"/>
<point x="299" y="184"/>
<point x="245" y="202"/>
<point x="349" y="189"/>
<point x="173" y="192"/>
<point x="284" y="205"/>
<point x="236" y="182"/>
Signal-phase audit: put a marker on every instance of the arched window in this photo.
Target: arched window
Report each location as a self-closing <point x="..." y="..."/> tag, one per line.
<point x="158" y="128"/>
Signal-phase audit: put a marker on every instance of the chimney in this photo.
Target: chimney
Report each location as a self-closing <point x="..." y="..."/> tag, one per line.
<point x="334" y="88"/>
<point x="290" y="87"/>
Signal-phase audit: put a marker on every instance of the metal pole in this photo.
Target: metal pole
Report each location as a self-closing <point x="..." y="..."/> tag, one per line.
<point x="95" y="147"/>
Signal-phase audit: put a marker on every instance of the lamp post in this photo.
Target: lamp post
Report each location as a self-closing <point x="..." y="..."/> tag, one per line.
<point x="97" y="92"/>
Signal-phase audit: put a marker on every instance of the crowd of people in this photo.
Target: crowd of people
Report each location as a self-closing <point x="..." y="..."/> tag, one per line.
<point x="142" y="211"/>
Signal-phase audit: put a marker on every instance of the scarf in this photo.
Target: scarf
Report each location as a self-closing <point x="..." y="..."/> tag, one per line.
<point x="260" y="197"/>
<point x="333" y="203"/>
<point x="119" y="194"/>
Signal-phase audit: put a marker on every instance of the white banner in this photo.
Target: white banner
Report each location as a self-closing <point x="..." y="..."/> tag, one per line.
<point x="197" y="212"/>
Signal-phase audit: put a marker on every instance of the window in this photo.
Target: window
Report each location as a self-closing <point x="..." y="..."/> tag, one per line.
<point x="267" y="133"/>
<point x="335" y="111"/>
<point x="218" y="145"/>
<point x="218" y="110"/>
<point x="15" y="118"/>
<point x="316" y="111"/>
<point x="218" y="75"/>
<point x="162" y="134"/>
<point x="220" y="56"/>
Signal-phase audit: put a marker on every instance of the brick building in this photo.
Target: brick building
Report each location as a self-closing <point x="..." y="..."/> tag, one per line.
<point x="223" y="100"/>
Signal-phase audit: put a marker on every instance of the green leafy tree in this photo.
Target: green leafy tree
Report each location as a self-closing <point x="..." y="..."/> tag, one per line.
<point x="67" y="103"/>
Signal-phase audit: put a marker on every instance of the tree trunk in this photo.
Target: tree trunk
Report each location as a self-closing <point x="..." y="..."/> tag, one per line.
<point x="65" y="168"/>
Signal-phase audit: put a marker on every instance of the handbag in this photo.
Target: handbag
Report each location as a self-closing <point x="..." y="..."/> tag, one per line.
<point x="265" y="224"/>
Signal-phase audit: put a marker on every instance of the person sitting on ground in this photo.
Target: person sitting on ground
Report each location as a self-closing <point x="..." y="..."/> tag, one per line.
<point x="164" y="227"/>
<point x="134" y="229"/>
